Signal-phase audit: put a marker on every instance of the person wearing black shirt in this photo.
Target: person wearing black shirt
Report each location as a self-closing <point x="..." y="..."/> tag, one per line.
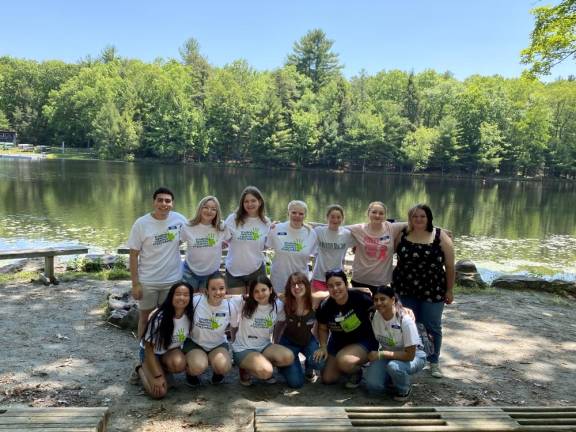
<point x="344" y="331"/>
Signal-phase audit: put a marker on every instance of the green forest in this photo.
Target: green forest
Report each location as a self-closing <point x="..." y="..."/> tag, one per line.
<point x="303" y="114"/>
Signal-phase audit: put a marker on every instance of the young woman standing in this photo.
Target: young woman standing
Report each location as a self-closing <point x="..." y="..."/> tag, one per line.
<point x="374" y="248"/>
<point x="207" y="345"/>
<point x="333" y="242"/>
<point x="249" y="227"/>
<point x="424" y="275"/>
<point x="293" y="242"/>
<point x="204" y="235"/>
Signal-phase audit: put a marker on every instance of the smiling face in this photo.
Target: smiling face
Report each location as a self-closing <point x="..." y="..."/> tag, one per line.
<point x="335" y="219"/>
<point x="376" y="214"/>
<point x="384" y="304"/>
<point x="297" y="288"/>
<point x="261" y="294"/>
<point x="337" y="289"/>
<point x="208" y="212"/>
<point x="181" y="299"/>
<point x="418" y="220"/>
<point x="251" y="205"/>
<point x="297" y="214"/>
<point x="163" y="204"/>
<point x="216" y="291"/>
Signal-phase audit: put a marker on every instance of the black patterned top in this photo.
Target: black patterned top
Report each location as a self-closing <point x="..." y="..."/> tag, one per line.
<point x="420" y="271"/>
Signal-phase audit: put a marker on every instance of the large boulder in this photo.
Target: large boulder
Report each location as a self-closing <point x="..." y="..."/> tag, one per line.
<point x="467" y="275"/>
<point x="122" y="308"/>
<point x="533" y="283"/>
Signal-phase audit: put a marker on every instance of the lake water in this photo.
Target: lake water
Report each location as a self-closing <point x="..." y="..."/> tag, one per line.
<point x="504" y="226"/>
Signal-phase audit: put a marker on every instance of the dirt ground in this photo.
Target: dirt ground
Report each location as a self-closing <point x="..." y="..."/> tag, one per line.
<point x="500" y="348"/>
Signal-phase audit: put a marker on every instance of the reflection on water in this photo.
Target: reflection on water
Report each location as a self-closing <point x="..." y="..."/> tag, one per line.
<point x="521" y="224"/>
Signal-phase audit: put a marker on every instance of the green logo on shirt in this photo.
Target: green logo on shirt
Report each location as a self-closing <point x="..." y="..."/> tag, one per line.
<point x="269" y="321"/>
<point x="211" y="239"/>
<point x="180" y="335"/>
<point x="350" y="323"/>
<point x="255" y="234"/>
<point x="214" y="324"/>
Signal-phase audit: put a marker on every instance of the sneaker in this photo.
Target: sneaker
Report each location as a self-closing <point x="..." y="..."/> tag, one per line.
<point x="217" y="378"/>
<point x="245" y="378"/>
<point x="398" y="397"/>
<point x="311" y="376"/>
<point x="134" y="377"/>
<point x="354" y="380"/>
<point x="435" y="371"/>
<point x="192" y="380"/>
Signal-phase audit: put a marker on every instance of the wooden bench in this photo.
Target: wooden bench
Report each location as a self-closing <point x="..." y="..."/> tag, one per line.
<point x="415" y="419"/>
<point x="48" y="253"/>
<point x="54" y="419"/>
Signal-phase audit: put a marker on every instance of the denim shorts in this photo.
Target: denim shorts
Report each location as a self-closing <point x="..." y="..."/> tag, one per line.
<point x="197" y="282"/>
<point x="239" y="356"/>
<point x="244" y="280"/>
<point x="142" y="352"/>
<point x="190" y="345"/>
<point x="367" y="344"/>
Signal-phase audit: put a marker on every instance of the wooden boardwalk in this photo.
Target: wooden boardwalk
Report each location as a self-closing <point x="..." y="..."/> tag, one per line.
<point x="414" y="419"/>
<point x="53" y="419"/>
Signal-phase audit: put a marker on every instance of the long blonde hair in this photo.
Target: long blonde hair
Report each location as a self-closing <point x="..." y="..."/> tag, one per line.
<point x="216" y="222"/>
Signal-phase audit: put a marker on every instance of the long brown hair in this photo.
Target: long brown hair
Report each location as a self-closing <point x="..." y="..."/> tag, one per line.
<point x="290" y="301"/>
<point x="241" y="213"/>
<point x="250" y="303"/>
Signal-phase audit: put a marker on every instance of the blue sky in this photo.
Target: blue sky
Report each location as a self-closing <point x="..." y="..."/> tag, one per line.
<point x="461" y="36"/>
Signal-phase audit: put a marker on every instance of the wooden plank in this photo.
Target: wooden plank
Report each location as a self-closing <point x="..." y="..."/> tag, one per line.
<point x="54" y="419"/>
<point x="399" y="422"/>
<point x="294" y="411"/>
<point x="542" y="415"/>
<point x="51" y="429"/>
<point x="540" y="409"/>
<point x="43" y="252"/>
<point x="390" y="409"/>
<point x="54" y="411"/>
<point x="391" y="415"/>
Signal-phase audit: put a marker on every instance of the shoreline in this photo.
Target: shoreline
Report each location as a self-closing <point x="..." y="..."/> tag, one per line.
<point x="240" y="164"/>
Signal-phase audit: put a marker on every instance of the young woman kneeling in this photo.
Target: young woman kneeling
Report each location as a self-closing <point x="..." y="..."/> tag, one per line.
<point x="254" y="352"/>
<point x="207" y="345"/>
<point x="399" y="354"/>
<point x="166" y="331"/>
<point x="345" y="317"/>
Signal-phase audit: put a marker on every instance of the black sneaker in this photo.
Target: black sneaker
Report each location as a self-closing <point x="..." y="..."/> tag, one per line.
<point x="217" y="378"/>
<point x="403" y="397"/>
<point x="192" y="380"/>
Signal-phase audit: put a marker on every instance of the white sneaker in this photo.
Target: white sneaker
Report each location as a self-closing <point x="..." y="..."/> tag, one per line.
<point x="435" y="370"/>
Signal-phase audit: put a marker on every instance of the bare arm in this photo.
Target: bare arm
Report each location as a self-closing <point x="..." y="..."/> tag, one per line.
<point x="136" y="287"/>
<point x="407" y="354"/>
<point x="322" y="352"/>
<point x="448" y="249"/>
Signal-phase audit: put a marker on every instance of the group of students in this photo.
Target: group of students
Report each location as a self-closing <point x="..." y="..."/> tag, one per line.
<point x="189" y="312"/>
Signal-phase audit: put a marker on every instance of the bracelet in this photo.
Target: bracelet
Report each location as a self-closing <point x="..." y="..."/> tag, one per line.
<point x="380" y="355"/>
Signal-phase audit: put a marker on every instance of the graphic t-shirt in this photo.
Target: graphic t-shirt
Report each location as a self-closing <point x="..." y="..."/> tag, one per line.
<point x="348" y="323"/>
<point x="256" y="332"/>
<point x="332" y="247"/>
<point x="246" y="245"/>
<point x="204" y="247"/>
<point x="179" y="335"/>
<point x="292" y="250"/>
<point x="395" y="334"/>
<point x="158" y="242"/>
<point x="210" y="322"/>
<point x="373" y="258"/>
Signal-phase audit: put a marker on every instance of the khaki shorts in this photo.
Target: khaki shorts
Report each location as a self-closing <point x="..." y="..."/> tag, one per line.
<point x="153" y="295"/>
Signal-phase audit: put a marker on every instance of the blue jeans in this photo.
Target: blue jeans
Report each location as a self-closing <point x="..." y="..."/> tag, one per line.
<point x="197" y="282"/>
<point x="382" y="374"/>
<point x="430" y="315"/>
<point x="294" y="374"/>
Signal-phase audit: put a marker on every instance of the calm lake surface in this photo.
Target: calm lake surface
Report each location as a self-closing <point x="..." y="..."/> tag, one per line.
<point x="504" y="226"/>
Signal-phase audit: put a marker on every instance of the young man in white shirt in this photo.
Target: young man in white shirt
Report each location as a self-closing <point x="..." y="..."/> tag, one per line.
<point x="155" y="262"/>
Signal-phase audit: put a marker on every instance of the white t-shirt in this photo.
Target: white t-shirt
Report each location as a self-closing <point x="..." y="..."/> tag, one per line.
<point x="158" y="242"/>
<point x="292" y="250"/>
<point x="246" y="245"/>
<point x="373" y="257"/>
<point x="210" y="322"/>
<point x="395" y="334"/>
<point x="332" y="248"/>
<point x="179" y="335"/>
<point x="256" y="332"/>
<point x="204" y="247"/>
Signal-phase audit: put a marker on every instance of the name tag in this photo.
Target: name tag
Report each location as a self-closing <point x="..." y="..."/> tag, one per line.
<point x="339" y="319"/>
<point x="220" y="314"/>
<point x="396" y="326"/>
<point x="282" y="233"/>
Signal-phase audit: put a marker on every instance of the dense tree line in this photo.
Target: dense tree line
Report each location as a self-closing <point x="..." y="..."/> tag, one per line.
<point x="302" y="114"/>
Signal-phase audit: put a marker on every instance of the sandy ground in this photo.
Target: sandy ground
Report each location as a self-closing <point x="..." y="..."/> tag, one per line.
<point x="500" y="348"/>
